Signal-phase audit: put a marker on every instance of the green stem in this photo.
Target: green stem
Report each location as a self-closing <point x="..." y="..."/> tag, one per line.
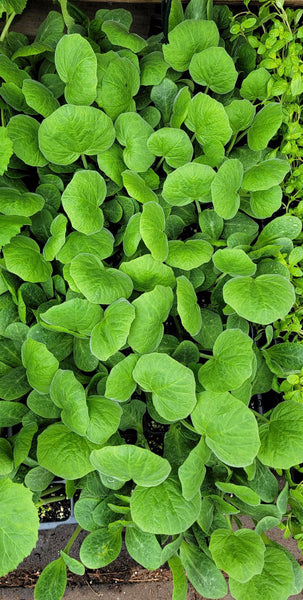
<point x="228" y="522"/>
<point x="193" y="137"/>
<point x="178" y="327"/>
<point x="198" y="206"/>
<point x="159" y="163"/>
<point x="49" y="500"/>
<point x="232" y="143"/>
<point x="205" y="355"/>
<point x="7" y="26"/>
<point x="85" y="164"/>
<point x="72" y="539"/>
<point x="188" y="426"/>
<point x="259" y="416"/>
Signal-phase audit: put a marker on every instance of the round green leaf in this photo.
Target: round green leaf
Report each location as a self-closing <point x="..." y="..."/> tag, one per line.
<point x="171" y="383"/>
<point x="282" y="437"/>
<point x="152" y="225"/>
<point x="39" y="97"/>
<point x="214" y="68"/>
<point x="153" y="68"/>
<point x="97" y="284"/>
<point x="143" y="547"/>
<point x="146" y="273"/>
<point x="173" y="144"/>
<point x="188" y="183"/>
<point x="64" y="453"/>
<point x="186" y="39"/>
<point x="81" y="200"/>
<point x="131" y="462"/>
<point x="68" y="393"/>
<point x="104" y="419"/>
<point x="286" y="226"/>
<point x="23" y="131"/>
<point x="6" y="457"/>
<point x="261" y="300"/>
<point x="137" y="188"/>
<point x="74" y="130"/>
<point x="120" y="383"/>
<point x="118" y="34"/>
<point x="217" y="413"/>
<point x="264" y="204"/>
<point x="111" y="333"/>
<point x="76" y="64"/>
<point x="162" y="509"/>
<point x="240" y="554"/>
<point x="208" y="120"/>
<point x="234" y="261"/>
<point x="225" y="187"/>
<point x="255" y="85"/>
<point x="22" y="257"/>
<point x="100" y="244"/>
<point x="76" y="316"/>
<point x="121" y="81"/>
<point x="100" y="548"/>
<point x="19" y="528"/>
<point x="187" y="306"/>
<point x="23" y="204"/>
<point x="264" y="126"/>
<point x="6" y="149"/>
<point x="274" y="583"/>
<point x="151" y="310"/>
<point x="231" y="364"/>
<point x="240" y="114"/>
<point x="265" y="175"/>
<point x="40" y="364"/>
<point x="202" y="572"/>
<point x="11" y="413"/>
<point x="188" y="255"/>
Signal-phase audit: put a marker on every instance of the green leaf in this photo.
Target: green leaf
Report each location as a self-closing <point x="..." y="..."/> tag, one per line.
<point x="217" y="413"/>
<point x="163" y="96"/>
<point x="281" y="437"/>
<point x="285" y="226"/>
<point x="23" y="132"/>
<point x="112" y="164"/>
<point x="56" y="240"/>
<point x="63" y="452"/>
<point x="143" y="547"/>
<point x="137" y="188"/>
<point x="40" y="364"/>
<point x="214" y="68"/>
<point x="187" y="38"/>
<point x="264" y="204"/>
<point x="73" y="565"/>
<point x="225" y="187"/>
<point x="6" y="458"/>
<point x="162" y="509"/>
<point x="42" y="405"/>
<point x="153" y="68"/>
<point x="208" y="120"/>
<point x="146" y="273"/>
<point x="74" y="130"/>
<point x="265" y="175"/>
<point x="131" y="462"/>
<point x="240" y="554"/>
<point x="9" y="71"/>
<point x="255" y="85"/>
<point x="151" y="310"/>
<point x="22" y="257"/>
<point x="11" y="413"/>
<point x="261" y="300"/>
<point x="187" y="306"/>
<point x="97" y="284"/>
<point x="188" y="183"/>
<point x="285" y="358"/>
<point x="192" y="471"/>
<point x="231" y="364"/>
<point x="120" y="383"/>
<point x="202" y="572"/>
<point x="132" y="235"/>
<point x="152" y="225"/>
<point x="39" y="97"/>
<point x="276" y="579"/>
<point x="121" y="81"/>
<point x="76" y="64"/>
<point x="240" y="114"/>
<point x="100" y="548"/>
<point x="76" y="316"/>
<point x="133" y="131"/>
<point x="180" y="107"/>
<point x="52" y="581"/>
<point x="210" y="330"/>
<point x="172" y="385"/>
<point x="173" y="144"/>
<point x="13" y="384"/>
<point x="241" y="491"/>
<point x="51" y="30"/>
<point x="19" y="528"/>
<point x="234" y="261"/>
<point x="264" y="126"/>
<point x="111" y="333"/>
<point x="100" y="244"/>
<point x="20" y="204"/>
<point x="179" y="578"/>
<point x="104" y="419"/>
<point x="119" y="35"/>
<point x="68" y="393"/>
<point x="6" y="149"/>
<point x="38" y="479"/>
<point x="81" y="200"/>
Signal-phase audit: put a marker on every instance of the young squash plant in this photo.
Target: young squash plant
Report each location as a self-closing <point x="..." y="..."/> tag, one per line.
<point x="147" y="260"/>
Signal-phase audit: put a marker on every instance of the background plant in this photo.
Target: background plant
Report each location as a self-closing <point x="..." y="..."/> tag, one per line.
<point x="148" y="265"/>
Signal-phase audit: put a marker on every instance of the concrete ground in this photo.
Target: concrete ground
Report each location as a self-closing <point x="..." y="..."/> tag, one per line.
<point x="129" y="581"/>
